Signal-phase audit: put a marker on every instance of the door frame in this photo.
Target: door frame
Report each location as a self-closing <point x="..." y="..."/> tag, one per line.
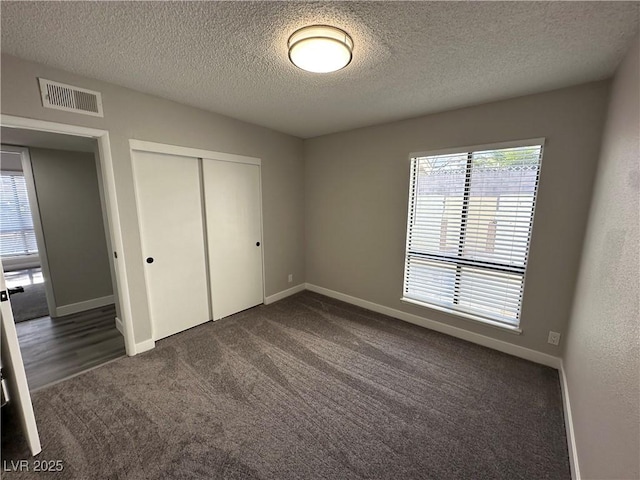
<point x="154" y="147"/>
<point x="113" y="217"/>
<point x="27" y="172"/>
<point x="197" y="154"/>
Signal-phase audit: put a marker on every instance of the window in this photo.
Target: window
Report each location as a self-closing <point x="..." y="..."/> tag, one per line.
<point x="469" y="229"/>
<point x="16" y="225"/>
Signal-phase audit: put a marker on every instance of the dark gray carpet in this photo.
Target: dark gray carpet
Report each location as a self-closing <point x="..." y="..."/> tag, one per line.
<point x="306" y="388"/>
<point x="30" y="304"/>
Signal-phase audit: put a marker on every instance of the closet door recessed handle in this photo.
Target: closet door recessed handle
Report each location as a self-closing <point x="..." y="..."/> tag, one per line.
<point x="149" y="259"/>
<point x="257" y="244"/>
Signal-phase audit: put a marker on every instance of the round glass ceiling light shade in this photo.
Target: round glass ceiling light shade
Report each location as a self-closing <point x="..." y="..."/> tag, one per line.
<point x="320" y="48"/>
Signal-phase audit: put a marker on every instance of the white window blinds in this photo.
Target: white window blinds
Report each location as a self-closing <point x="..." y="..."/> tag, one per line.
<point x="469" y="228"/>
<point x="16" y="226"/>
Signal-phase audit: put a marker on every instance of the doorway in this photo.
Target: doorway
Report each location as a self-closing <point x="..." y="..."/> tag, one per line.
<point x="55" y="255"/>
<point x="12" y="365"/>
<point x="18" y="245"/>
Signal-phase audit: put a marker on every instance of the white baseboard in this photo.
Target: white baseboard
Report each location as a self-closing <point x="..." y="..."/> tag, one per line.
<point x="501" y="346"/>
<point x="568" y="424"/>
<point x="145" y="346"/>
<point x="284" y="294"/>
<point x="84" y="306"/>
<point x="119" y="326"/>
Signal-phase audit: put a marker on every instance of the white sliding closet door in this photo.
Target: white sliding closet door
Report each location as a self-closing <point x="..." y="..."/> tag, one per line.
<point x="169" y="198"/>
<point x="234" y="234"/>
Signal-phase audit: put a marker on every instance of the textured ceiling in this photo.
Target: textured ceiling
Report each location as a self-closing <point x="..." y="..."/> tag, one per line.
<point x="410" y="58"/>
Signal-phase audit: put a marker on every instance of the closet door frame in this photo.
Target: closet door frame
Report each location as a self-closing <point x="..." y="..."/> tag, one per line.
<point x="201" y="155"/>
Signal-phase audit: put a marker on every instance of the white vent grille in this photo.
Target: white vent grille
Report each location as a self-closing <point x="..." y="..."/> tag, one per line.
<point x="69" y="98"/>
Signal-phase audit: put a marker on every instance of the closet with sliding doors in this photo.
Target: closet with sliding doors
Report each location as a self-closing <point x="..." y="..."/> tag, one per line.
<point x="200" y="218"/>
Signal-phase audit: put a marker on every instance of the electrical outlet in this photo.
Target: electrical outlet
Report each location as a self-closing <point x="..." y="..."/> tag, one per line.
<point x="290" y="277"/>
<point x="554" y="338"/>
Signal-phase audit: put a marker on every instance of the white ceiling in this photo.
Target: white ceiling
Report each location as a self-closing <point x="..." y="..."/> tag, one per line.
<point x="410" y="58"/>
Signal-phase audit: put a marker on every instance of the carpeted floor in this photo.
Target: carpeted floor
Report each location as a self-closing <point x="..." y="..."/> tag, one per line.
<point x="30" y="304"/>
<point x="306" y="388"/>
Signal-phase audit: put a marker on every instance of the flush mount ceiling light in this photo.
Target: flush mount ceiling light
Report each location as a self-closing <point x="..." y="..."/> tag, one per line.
<point x="320" y="48"/>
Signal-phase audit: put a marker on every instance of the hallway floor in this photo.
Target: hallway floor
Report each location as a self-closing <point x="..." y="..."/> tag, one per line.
<point x="57" y="348"/>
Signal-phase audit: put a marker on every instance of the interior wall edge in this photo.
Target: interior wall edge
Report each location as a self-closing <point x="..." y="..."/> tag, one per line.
<point x="601" y="357"/>
<point x="568" y="424"/>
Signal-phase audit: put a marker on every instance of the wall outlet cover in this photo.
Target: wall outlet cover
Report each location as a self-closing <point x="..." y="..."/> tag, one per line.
<point x="554" y="338"/>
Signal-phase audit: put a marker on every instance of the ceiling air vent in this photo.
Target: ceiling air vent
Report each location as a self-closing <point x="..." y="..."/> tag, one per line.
<point x="69" y="98"/>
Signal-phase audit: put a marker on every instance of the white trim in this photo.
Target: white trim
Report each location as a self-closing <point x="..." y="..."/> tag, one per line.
<point x="145" y="346"/>
<point x="105" y="225"/>
<point x="113" y="215"/>
<point x="190" y="152"/>
<point x="34" y="206"/>
<point x="489" y="146"/>
<point x="284" y="294"/>
<point x="115" y="231"/>
<point x="205" y="238"/>
<point x="568" y="423"/>
<point x="52" y="127"/>
<point x="84" y="306"/>
<point x="264" y="272"/>
<point x="119" y="326"/>
<point x="500" y="345"/>
<point x="465" y="316"/>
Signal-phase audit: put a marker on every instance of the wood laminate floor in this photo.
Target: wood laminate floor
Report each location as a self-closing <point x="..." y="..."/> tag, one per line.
<point x="57" y="348"/>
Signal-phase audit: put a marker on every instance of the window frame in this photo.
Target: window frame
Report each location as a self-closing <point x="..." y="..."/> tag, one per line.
<point x="26" y="255"/>
<point x="469" y="150"/>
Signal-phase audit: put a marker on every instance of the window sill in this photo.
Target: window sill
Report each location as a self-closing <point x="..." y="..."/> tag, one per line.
<point x="465" y="316"/>
<point x="20" y="262"/>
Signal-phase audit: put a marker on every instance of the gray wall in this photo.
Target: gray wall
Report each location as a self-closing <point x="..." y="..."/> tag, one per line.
<point x="601" y="362"/>
<point x="357" y="188"/>
<point x="72" y="223"/>
<point x="130" y="114"/>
